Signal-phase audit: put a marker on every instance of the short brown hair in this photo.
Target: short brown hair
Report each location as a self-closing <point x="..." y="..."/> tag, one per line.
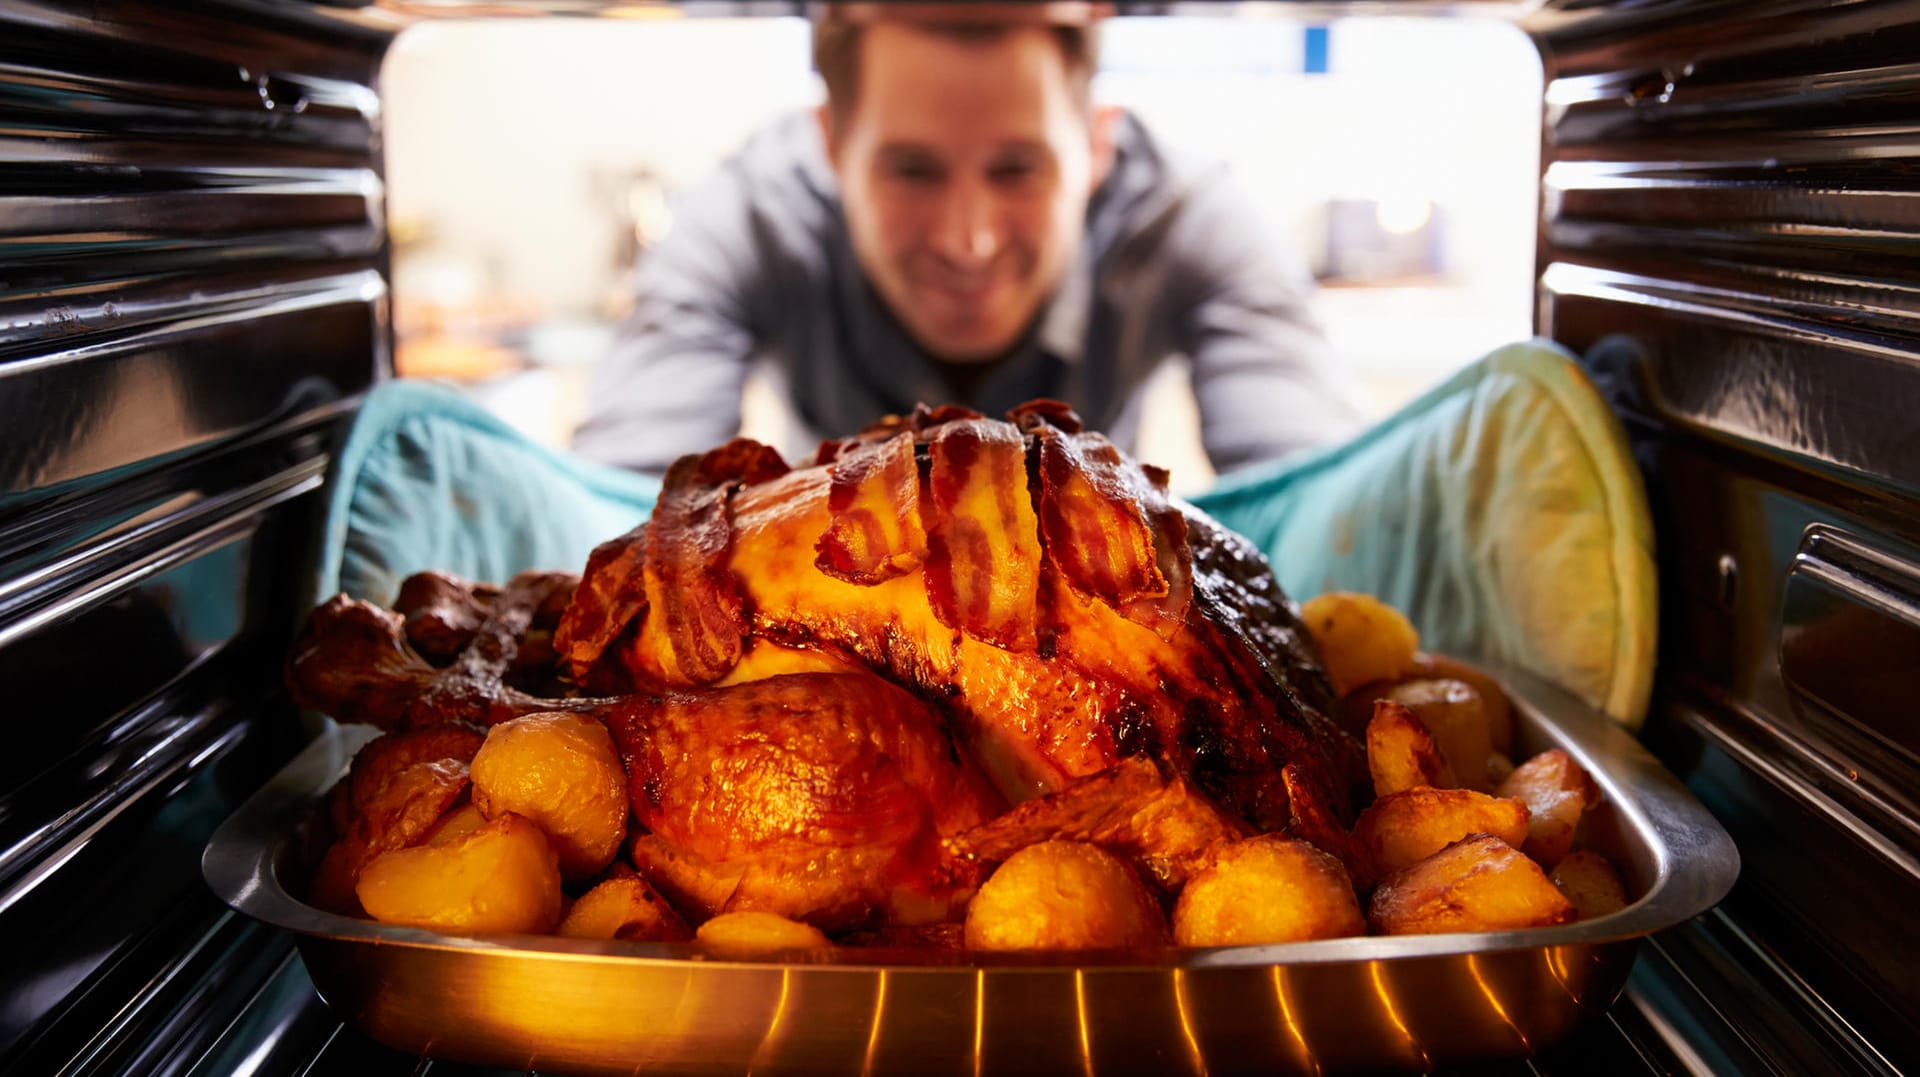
<point x="836" y="52"/>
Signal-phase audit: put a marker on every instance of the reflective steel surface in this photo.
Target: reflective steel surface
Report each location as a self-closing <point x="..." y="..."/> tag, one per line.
<point x="192" y="230"/>
<point x="1728" y="236"/>
<point x="1397" y="1003"/>
<point x="192" y="296"/>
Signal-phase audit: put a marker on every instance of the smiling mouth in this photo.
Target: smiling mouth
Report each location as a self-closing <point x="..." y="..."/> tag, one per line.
<point x="969" y="291"/>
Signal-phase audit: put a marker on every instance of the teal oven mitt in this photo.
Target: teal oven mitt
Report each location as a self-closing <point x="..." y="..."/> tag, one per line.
<point x="1501" y="511"/>
<point x="429" y="479"/>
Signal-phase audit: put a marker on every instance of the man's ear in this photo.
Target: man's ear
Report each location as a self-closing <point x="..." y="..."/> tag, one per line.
<point x="1101" y="126"/>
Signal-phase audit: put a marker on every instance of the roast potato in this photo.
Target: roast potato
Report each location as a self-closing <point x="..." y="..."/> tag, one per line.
<point x="1267" y="889"/>
<point x="386" y="757"/>
<point x="454" y="825"/>
<point x="1557" y="792"/>
<point x="1404" y="828"/>
<point x="624" y="908"/>
<point x="1360" y="638"/>
<point x="743" y="934"/>
<point x="1401" y="754"/>
<point x="1063" y="895"/>
<point x="1495" y="707"/>
<point x="395" y="814"/>
<point x="1589" y="881"/>
<point x="1456" y="716"/>
<point x="503" y="878"/>
<point x="561" y="771"/>
<point x="1453" y="712"/>
<point x="1479" y="884"/>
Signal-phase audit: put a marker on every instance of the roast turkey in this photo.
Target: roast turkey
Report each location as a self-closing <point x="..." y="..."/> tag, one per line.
<point x="824" y="681"/>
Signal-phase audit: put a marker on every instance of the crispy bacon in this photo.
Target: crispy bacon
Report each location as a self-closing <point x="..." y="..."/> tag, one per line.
<point x="1110" y="527"/>
<point x="983" y="549"/>
<point x="1164" y="613"/>
<point x="925" y="420"/>
<point x="831" y="448"/>
<point x="687" y="578"/>
<point x="1096" y="529"/>
<point x="1046" y="411"/>
<point x="874" y="531"/>
<point x="611" y="596"/>
<point x="742" y="460"/>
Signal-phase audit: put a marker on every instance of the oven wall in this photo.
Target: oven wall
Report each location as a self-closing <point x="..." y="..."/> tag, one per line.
<point x="193" y="281"/>
<point x="1730" y="216"/>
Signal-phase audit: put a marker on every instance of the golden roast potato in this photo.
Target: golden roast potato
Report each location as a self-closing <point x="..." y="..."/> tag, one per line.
<point x="623" y="908"/>
<point x="393" y="814"/>
<point x="1479" y="884"/>
<point x="743" y="934"/>
<point x="454" y="825"/>
<point x="1557" y="792"/>
<point x="1401" y="753"/>
<point x="1360" y="638"/>
<point x="1267" y="889"/>
<point x="561" y="771"/>
<point x="1403" y="828"/>
<point x="502" y="878"/>
<point x="1589" y="881"/>
<point x="1455" y="715"/>
<point x="1063" y="895"/>
<point x="1496" y="708"/>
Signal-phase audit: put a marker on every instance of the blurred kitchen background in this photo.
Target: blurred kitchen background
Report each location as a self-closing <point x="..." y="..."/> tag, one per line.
<point x="529" y="160"/>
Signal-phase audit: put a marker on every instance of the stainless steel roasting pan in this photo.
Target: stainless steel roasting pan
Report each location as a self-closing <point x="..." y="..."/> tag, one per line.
<point x="1395" y="1003"/>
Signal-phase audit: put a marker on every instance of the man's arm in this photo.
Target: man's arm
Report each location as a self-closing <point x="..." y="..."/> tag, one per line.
<point x="671" y="384"/>
<point x="1262" y="370"/>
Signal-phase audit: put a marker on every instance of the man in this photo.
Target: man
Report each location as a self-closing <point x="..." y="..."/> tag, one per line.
<point x="960" y="224"/>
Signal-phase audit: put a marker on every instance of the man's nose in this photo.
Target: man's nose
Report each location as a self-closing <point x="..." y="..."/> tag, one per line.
<point x="968" y="233"/>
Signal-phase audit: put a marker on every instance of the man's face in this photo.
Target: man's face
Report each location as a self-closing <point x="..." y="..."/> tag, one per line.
<point x="965" y="167"/>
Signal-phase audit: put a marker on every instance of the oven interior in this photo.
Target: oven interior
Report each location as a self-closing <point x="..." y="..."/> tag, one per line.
<point x="195" y="269"/>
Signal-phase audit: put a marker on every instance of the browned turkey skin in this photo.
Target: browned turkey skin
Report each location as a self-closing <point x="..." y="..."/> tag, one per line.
<point x="818" y="795"/>
<point x="821" y="679"/>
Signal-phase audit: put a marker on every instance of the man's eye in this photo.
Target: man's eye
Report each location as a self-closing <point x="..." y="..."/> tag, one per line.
<point x="1012" y="172"/>
<point x="917" y="173"/>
